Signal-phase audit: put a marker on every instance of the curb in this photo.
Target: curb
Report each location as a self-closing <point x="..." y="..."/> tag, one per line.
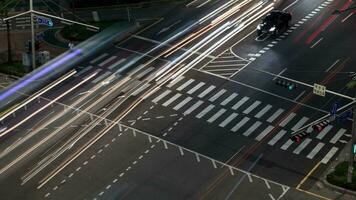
<point x="337" y="188"/>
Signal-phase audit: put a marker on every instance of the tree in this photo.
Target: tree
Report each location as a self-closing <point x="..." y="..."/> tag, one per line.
<point x="4" y="12"/>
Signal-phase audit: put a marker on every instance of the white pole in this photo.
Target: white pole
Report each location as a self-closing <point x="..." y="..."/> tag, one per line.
<point x="32" y="37"/>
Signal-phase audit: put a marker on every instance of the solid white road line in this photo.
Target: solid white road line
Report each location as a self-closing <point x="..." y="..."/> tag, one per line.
<point x="264" y="133"/>
<point x="216" y="115"/>
<point x="342" y="21"/>
<point x="302" y="146"/>
<point x="193" y="107"/>
<point x="329" y="155"/>
<point x="275" y="115"/>
<point x="239" y="103"/>
<point x="230" y="98"/>
<point x="182" y="103"/>
<point x="322" y="134"/>
<point x="252" y="128"/>
<point x="337" y="136"/>
<point x="275" y="139"/>
<point x="290" y="5"/>
<point x="240" y="124"/>
<point x="205" y="111"/>
<point x="207" y="91"/>
<point x="328" y="69"/>
<point x="228" y="120"/>
<point x="317" y="42"/>
<point x="263" y="111"/>
<point x="217" y="95"/>
<point x="161" y="96"/>
<point x="169" y="101"/>
<point x="316" y="149"/>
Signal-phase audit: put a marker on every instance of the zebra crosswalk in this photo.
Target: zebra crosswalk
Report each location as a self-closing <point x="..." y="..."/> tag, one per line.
<point x="248" y="117"/>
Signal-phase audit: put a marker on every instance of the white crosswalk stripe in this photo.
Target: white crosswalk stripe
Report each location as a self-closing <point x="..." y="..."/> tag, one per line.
<point x="337" y="136"/>
<point x="252" y="128"/>
<point x="252" y="107"/>
<point x="302" y="146"/>
<point x="228" y="120"/>
<point x="329" y="155"/>
<point x="182" y="103"/>
<point x="216" y="115"/>
<point x="316" y="149"/>
<point x="286" y="145"/>
<point x="287" y="119"/>
<point x="193" y="107"/>
<point x="275" y="115"/>
<point x="206" y="91"/>
<point x="195" y="88"/>
<point x="99" y="58"/>
<point x="217" y="95"/>
<point x="230" y="98"/>
<point x="263" y="111"/>
<point x="184" y="85"/>
<point x="107" y="61"/>
<point x="175" y="81"/>
<point x="276" y="138"/>
<point x="322" y="134"/>
<point x="300" y="123"/>
<point x="239" y="103"/>
<point x="264" y="133"/>
<point x="101" y="77"/>
<point x="240" y="124"/>
<point x="205" y="111"/>
<point x="169" y="101"/>
<point x="161" y="96"/>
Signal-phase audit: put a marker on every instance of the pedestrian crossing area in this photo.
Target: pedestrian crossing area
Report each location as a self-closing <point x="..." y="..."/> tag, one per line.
<point x="248" y="117"/>
<point x="225" y="65"/>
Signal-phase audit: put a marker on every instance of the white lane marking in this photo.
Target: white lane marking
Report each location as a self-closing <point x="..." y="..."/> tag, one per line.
<point x="263" y="111"/>
<point x="161" y="96"/>
<point x="83" y="71"/>
<point x="182" y="103"/>
<point x="315" y="150"/>
<point x="329" y="155"/>
<point x="239" y="103"/>
<point x="322" y="134"/>
<point x="99" y="58"/>
<point x="240" y="124"/>
<point x="252" y="107"/>
<point x="342" y="21"/>
<point x="337" y="136"/>
<point x="228" y="120"/>
<point x="107" y="61"/>
<point x="317" y="42"/>
<point x="290" y="5"/>
<point x="230" y="98"/>
<point x="117" y="63"/>
<point x="300" y="95"/>
<point x="101" y="77"/>
<point x="264" y="133"/>
<point x="139" y="90"/>
<point x="286" y="145"/>
<point x="252" y="128"/>
<point x="175" y="81"/>
<point x="193" y="107"/>
<point x="205" y="92"/>
<point x="302" y="146"/>
<point x="287" y="119"/>
<point x="216" y="115"/>
<point x="300" y="123"/>
<point x="146" y="71"/>
<point x="195" y="88"/>
<point x="205" y="111"/>
<point x="217" y="95"/>
<point x="180" y="88"/>
<point x="169" y="101"/>
<point x="275" y="139"/>
<point x="328" y="69"/>
<point x="280" y="73"/>
<point x="275" y="115"/>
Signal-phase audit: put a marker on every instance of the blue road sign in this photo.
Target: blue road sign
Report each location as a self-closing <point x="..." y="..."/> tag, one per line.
<point x="333" y="109"/>
<point x="44" y="21"/>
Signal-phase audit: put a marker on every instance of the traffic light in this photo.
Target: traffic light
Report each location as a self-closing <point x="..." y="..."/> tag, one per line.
<point x="300" y="136"/>
<point x="321" y="125"/>
<point x="286" y="84"/>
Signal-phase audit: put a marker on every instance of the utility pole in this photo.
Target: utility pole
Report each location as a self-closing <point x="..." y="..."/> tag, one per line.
<point x="32" y="37"/>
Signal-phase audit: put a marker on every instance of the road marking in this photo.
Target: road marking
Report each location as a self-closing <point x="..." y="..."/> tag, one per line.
<point x="240" y="124"/>
<point x="342" y="21"/>
<point x="328" y="69"/>
<point x="275" y="115"/>
<point x="300" y="95"/>
<point x="217" y="95"/>
<point x="275" y="139"/>
<point x="107" y="61"/>
<point x="302" y="146"/>
<point x="182" y="103"/>
<point x="185" y="84"/>
<point x="205" y="92"/>
<point x="139" y="90"/>
<point x="252" y="128"/>
<point x="264" y="133"/>
<point x="253" y="106"/>
<point x="329" y="155"/>
<point x="193" y="107"/>
<point x="287" y="119"/>
<point x="195" y="88"/>
<point x="263" y="111"/>
<point x="315" y="150"/>
<point x="239" y="103"/>
<point x="83" y="71"/>
<point x="99" y="58"/>
<point x="175" y="81"/>
<point x="300" y="123"/>
<point x="290" y="5"/>
<point x="230" y="98"/>
<point x="169" y="101"/>
<point x="337" y="136"/>
<point x="228" y="120"/>
<point x="205" y="111"/>
<point x="101" y="77"/>
<point x="317" y="42"/>
<point x="165" y="93"/>
<point x="146" y="71"/>
<point x="322" y="134"/>
<point x="216" y="115"/>
<point x="117" y="63"/>
<point x="287" y="144"/>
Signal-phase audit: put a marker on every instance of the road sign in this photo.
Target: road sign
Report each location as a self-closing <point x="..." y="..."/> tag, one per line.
<point x="333" y="109"/>
<point x="319" y="90"/>
<point x="44" y="21"/>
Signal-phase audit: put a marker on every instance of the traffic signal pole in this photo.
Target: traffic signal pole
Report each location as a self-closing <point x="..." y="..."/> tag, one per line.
<point x="33" y="51"/>
<point x="353" y="141"/>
